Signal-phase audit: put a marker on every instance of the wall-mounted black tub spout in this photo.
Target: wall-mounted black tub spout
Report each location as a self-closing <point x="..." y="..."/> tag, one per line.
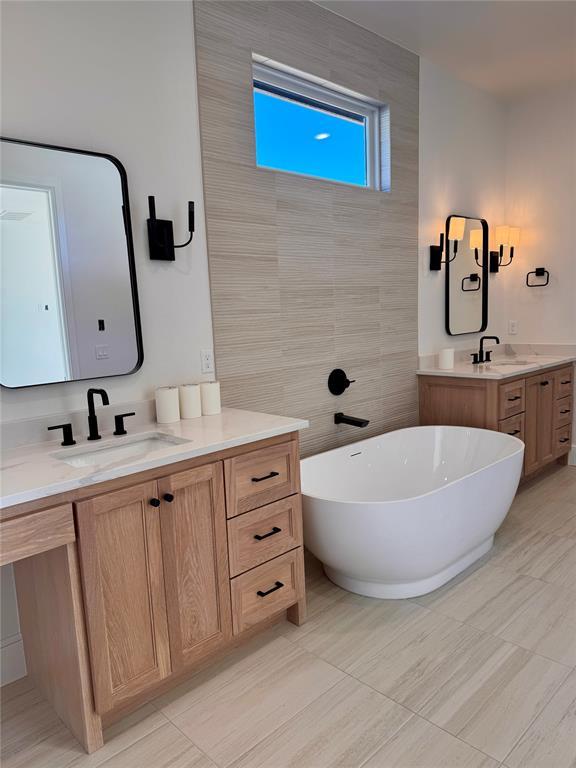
<point x="341" y="418"/>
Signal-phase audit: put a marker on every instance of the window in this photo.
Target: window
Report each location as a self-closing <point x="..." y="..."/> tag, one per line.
<point x="310" y="129"/>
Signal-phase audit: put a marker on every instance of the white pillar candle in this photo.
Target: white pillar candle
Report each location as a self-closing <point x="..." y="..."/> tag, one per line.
<point x="210" y="394"/>
<point x="446" y="359"/>
<point x="167" y="405"/>
<point x="190" y="403"/>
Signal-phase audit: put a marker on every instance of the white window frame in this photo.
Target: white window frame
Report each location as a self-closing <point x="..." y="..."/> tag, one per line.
<point x="318" y="94"/>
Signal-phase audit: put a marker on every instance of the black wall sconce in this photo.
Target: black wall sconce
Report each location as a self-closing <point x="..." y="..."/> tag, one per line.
<point x="473" y="279"/>
<point x="161" y="233"/>
<point x="506" y="237"/>
<point x="538" y="272"/>
<point x="455" y="227"/>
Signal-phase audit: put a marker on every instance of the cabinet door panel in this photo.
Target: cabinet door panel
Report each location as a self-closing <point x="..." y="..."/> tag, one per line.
<point x="121" y="561"/>
<point x="546" y="437"/>
<point x="531" y="462"/>
<point x="195" y="562"/>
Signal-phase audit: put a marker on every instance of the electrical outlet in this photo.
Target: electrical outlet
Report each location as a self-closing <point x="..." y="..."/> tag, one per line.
<point x="512" y="327"/>
<point x="102" y="352"/>
<point x="207" y="361"/>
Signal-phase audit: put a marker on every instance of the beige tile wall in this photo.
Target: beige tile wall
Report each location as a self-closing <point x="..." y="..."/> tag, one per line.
<point x="308" y="275"/>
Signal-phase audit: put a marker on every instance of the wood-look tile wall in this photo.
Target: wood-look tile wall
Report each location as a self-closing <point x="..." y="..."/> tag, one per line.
<point x="308" y="275"/>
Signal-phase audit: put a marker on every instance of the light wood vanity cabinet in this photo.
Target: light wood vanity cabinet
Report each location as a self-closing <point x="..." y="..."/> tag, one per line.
<point x="162" y="571"/>
<point x="535" y="408"/>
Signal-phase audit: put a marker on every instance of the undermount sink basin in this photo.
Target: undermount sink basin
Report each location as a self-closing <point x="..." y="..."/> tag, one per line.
<point x="510" y="362"/>
<point x="115" y="451"/>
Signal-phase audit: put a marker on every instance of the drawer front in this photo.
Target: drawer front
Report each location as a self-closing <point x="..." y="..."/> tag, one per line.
<point x="260" y="477"/>
<point x="512" y="399"/>
<point x="266" y="590"/>
<point x="264" y="533"/>
<point x="563" y="412"/>
<point x="513" y="425"/>
<point x="563" y="382"/>
<point x="563" y="440"/>
<point x="35" y="533"/>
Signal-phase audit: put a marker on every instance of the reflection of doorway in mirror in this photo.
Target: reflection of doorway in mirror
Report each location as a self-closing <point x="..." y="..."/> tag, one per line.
<point x="34" y="342"/>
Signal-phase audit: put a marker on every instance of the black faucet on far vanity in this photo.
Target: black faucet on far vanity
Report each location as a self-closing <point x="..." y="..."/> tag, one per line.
<point x="481" y="356"/>
<point x="341" y="418"/>
<point x="92" y="419"/>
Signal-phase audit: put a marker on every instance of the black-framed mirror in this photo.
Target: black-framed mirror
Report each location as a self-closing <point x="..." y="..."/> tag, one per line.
<point x="69" y="300"/>
<point x="466" y="275"/>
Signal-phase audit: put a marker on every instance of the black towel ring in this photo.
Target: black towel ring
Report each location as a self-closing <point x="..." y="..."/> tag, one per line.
<point x="539" y="272"/>
<point x="473" y="278"/>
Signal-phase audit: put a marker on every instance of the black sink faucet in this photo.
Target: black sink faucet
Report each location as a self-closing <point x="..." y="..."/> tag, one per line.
<point x="92" y="420"/>
<point x="341" y="418"/>
<point x="481" y="356"/>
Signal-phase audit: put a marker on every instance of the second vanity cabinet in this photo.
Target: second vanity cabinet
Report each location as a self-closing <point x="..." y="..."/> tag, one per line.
<point x="536" y="408"/>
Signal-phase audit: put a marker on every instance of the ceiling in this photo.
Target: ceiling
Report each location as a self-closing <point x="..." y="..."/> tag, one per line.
<point x="505" y="47"/>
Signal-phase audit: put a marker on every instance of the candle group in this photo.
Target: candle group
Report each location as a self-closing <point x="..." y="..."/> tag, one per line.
<point x="188" y="401"/>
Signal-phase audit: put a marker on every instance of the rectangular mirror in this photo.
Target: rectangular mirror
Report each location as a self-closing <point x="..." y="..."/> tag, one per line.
<point x="466" y="275"/>
<point x="68" y="292"/>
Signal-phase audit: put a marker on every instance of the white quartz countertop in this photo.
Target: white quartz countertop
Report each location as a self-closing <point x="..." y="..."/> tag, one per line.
<point x="34" y="471"/>
<point x="500" y="367"/>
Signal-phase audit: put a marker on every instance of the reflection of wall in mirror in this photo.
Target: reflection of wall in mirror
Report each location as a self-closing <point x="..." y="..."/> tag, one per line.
<point x="93" y="256"/>
<point x="466" y="306"/>
<point x="32" y="312"/>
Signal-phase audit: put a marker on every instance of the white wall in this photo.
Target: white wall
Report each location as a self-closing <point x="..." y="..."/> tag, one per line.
<point x="119" y="77"/>
<point x="462" y="170"/>
<point x="541" y="199"/>
<point x="116" y="77"/>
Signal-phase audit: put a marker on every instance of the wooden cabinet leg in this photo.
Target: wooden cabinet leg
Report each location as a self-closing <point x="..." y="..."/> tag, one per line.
<point x="297" y="613"/>
<point x="54" y="635"/>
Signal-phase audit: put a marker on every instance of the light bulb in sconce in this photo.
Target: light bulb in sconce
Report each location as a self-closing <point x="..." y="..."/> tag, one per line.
<point x="502" y="235"/>
<point x="476" y="242"/>
<point x="456" y="230"/>
<point x="514" y="237"/>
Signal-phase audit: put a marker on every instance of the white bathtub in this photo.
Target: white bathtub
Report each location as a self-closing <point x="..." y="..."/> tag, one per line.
<point x="401" y="514"/>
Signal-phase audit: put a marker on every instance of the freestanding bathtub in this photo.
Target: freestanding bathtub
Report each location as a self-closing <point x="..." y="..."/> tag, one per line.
<point x="401" y="514"/>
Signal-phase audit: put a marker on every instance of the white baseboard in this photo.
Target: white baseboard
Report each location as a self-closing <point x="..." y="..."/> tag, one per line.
<point x="12" y="661"/>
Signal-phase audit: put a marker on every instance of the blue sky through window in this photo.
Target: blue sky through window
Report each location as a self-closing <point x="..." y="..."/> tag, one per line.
<point x="295" y="137"/>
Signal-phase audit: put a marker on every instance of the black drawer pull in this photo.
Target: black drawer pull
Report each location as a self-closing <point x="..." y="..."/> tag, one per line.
<point x="563" y="439"/>
<point x="260" y="536"/>
<point x="154" y="502"/>
<point x="169" y="497"/>
<point x="276" y="586"/>
<point x="265" y="477"/>
<point x="514" y="432"/>
<point x="516" y="397"/>
<point x="568" y="381"/>
<point x="544" y="383"/>
<point x="566" y="410"/>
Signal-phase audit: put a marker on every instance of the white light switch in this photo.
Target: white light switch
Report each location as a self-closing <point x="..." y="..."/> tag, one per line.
<point x="512" y="327"/>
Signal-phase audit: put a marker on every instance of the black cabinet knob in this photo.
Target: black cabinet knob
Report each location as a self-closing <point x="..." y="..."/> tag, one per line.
<point x="169" y="497"/>
<point x="66" y="433"/>
<point x="544" y="383"/>
<point x="154" y="502"/>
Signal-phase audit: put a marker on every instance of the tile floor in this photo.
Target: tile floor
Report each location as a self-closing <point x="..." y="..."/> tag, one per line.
<point x="479" y="674"/>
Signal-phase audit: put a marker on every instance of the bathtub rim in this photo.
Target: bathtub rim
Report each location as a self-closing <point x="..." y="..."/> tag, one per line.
<point x="520" y="449"/>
